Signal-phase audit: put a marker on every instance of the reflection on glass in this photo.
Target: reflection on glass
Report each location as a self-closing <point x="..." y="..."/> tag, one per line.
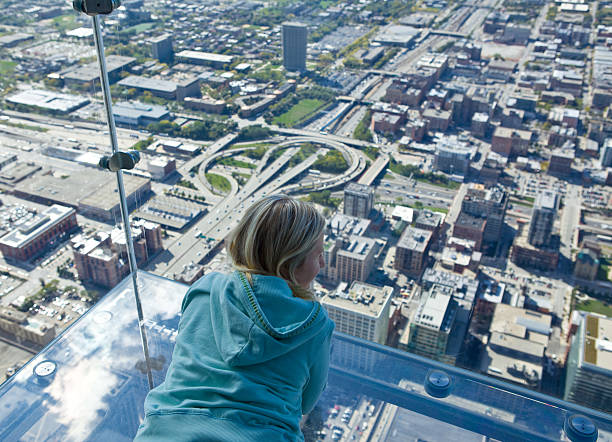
<point x="90" y="384"/>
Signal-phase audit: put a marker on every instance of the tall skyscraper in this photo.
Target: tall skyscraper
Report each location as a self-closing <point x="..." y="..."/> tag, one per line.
<point x="358" y="200"/>
<point x="543" y="218"/>
<point x="589" y="364"/>
<point x="162" y="48"/>
<point x="294" y="46"/>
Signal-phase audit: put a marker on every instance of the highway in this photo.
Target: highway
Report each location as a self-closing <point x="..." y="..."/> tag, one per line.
<point x="264" y="181"/>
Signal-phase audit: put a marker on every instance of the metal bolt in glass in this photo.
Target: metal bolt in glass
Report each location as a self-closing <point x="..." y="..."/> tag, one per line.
<point x="438" y="383"/>
<point x="580" y="428"/>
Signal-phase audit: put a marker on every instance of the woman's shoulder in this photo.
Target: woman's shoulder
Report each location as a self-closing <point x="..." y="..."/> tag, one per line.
<point x="213" y="281"/>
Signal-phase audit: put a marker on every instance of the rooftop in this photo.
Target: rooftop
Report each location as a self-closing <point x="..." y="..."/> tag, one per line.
<point x="48" y="100"/>
<point x="547" y="200"/>
<point x="415" y="239"/>
<point x="205" y="56"/>
<point x="36" y="225"/>
<point x="363" y="298"/>
<point x="597" y="342"/>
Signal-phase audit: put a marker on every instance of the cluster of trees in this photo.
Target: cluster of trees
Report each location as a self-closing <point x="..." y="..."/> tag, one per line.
<point x="233" y="162"/>
<point x="45" y="293"/>
<point x="331" y="162"/>
<point x="305" y="151"/>
<point x="186" y="183"/>
<point x="324" y="198"/>
<point x="198" y="130"/>
<point x="362" y="131"/>
<point x="267" y="74"/>
<point x="143" y="144"/>
<point x="418" y="174"/>
<point x="371" y="152"/>
<point x="390" y="9"/>
<point x="256" y="153"/>
<point x="255" y="132"/>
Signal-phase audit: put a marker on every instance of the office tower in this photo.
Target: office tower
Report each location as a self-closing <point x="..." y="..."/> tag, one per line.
<point x="453" y="156"/>
<point x="412" y="251"/>
<point x="606" y="153"/>
<point x="356" y="259"/>
<point x="431" y="326"/>
<point x="358" y="200"/>
<point x="162" y="48"/>
<point x="589" y="364"/>
<point x="490" y="203"/>
<point x="294" y="46"/>
<point x="543" y="218"/>
<point x="361" y="311"/>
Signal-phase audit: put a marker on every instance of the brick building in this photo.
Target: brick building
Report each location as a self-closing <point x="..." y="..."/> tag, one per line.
<point x="412" y="251"/>
<point x="103" y="258"/>
<point x="510" y="142"/>
<point x="471" y="228"/>
<point x="32" y="237"/>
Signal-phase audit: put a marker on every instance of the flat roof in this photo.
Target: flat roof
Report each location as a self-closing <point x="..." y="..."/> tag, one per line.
<point x="138" y="110"/>
<point x="398" y="34"/>
<point x="70" y="191"/>
<point x="415" y="239"/>
<point x="358" y="248"/>
<point x="467" y="220"/>
<point x="597" y="342"/>
<point x="519" y="322"/>
<point x="546" y="200"/>
<point x="91" y="71"/>
<point x="48" y="100"/>
<point x="432" y="310"/>
<point x="36" y="226"/>
<point x="404" y="213"/>
<point x="529" y="347"/>
<point x="430" y="218"/>
<point x="507" y="132"/>
<point x="509" y="368"/>
<point x="340" y="223"/>
<point x="206" y="56"/>
<point x="462" y="287"/>
<point x="135" y="81"/>
<point x="365" y="299"/>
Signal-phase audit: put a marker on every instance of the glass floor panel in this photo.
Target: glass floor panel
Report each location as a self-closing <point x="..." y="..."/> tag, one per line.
<point x="90" y="384"/>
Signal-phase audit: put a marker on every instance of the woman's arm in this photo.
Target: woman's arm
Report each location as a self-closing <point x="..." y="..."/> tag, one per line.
<point x="318" y="374"/>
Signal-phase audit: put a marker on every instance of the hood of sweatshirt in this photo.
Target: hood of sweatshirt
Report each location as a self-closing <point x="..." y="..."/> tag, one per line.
<point x="254" y="323"/>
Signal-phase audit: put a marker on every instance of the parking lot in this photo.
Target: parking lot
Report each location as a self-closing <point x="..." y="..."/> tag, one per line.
<point x="346" y="422"/>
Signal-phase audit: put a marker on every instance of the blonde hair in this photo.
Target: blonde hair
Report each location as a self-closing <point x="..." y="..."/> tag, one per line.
<point x="274" y="237"/>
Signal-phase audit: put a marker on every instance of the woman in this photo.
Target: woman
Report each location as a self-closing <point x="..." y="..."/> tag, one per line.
<point x="252" y="350"/>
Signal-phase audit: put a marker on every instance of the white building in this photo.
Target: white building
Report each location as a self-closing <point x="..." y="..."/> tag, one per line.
<point x="361" y="311"/>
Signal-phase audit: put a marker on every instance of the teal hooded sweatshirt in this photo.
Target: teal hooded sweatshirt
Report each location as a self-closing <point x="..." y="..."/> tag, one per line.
<point x="249" y="360"/>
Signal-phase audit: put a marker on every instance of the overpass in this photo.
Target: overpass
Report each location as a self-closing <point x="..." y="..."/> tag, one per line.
<point x="375" y="170"/>
<point x="448" y="33"/>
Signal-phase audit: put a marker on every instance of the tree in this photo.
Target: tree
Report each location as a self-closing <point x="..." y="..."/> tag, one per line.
<point x="255" y="132"/>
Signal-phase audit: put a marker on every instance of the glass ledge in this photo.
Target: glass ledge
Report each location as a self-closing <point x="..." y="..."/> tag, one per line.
<point x="90" y="384"/>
